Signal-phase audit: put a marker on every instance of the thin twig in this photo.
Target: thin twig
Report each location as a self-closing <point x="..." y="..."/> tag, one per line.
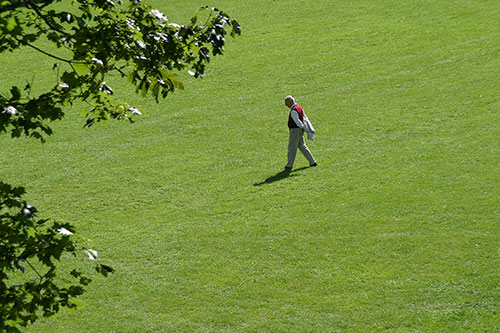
<point x="37" y="10"/>
<point x="42" y="51"/>
<point x="33" y="268"/>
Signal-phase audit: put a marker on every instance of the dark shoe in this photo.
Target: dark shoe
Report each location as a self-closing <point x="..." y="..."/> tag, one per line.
<point x="287" y="168"/>
<point x="313" y="165"/>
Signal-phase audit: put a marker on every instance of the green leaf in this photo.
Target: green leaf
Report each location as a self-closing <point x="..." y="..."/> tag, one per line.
<point x="144" y="88"/>
<point x="70" y="78"/>
<point x="16" y="93"/>
<point x="89" y="122"/>
<point x="156" y="89"/>
<point x="30" y="232"/>
<point x="179" y="84"/>
<point x="37" y="135"/>
<point x="131" y="77"/>
<point x="104" y="269"/>
<point x="81" y="68"/>
<point x="11" y="23"/>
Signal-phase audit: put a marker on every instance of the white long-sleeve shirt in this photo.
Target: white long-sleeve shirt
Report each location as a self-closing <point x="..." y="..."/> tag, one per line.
<point x="295" y="117"/>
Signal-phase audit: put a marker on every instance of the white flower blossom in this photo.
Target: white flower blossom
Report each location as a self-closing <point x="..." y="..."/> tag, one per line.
<point x="159" y="15"/>
<point x="10" y="110"/>
<point x="64" y="231"/>
<point x="141" y="44"/>
<point x="135" y="111"/>
<point x="97" y="61"/>
<point x="161" y="37"/>
<point x="92" y="254"/>
<point x="131" y="24"/>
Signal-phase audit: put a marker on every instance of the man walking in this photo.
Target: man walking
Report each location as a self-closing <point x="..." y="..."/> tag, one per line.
<point x="296" y="137"/>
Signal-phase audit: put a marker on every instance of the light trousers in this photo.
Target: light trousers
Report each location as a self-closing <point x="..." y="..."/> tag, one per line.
<point x="296" y="141"/>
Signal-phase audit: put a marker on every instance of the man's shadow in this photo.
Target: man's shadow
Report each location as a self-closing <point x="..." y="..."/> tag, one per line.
<point x="279" y="176"/>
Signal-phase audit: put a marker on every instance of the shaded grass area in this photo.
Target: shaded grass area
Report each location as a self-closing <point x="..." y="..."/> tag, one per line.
<point x="396" y="229"/>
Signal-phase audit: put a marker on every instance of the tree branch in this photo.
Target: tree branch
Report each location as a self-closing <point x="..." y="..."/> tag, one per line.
<point x="44" y="52"/>
<point x="34" y="269"/>
<point x="44" y="18"/>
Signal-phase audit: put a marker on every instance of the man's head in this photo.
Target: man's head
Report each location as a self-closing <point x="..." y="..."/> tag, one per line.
<point x="289" y="101"/>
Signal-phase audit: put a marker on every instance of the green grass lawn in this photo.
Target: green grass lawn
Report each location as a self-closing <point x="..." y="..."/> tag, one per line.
<point x="396" y="230"/>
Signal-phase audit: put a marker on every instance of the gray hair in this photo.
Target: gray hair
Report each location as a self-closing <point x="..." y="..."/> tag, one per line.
<point x="290" y="99"/>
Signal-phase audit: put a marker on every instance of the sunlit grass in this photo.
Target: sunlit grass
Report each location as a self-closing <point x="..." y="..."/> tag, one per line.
<point x="397" y="229"/>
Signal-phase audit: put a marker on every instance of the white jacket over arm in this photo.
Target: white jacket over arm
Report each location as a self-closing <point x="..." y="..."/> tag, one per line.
<point x="308" y="127"/>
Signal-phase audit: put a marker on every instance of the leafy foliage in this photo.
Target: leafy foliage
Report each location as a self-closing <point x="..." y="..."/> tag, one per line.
<point x="28" y="243"/>
<point x="103" y="38"/>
